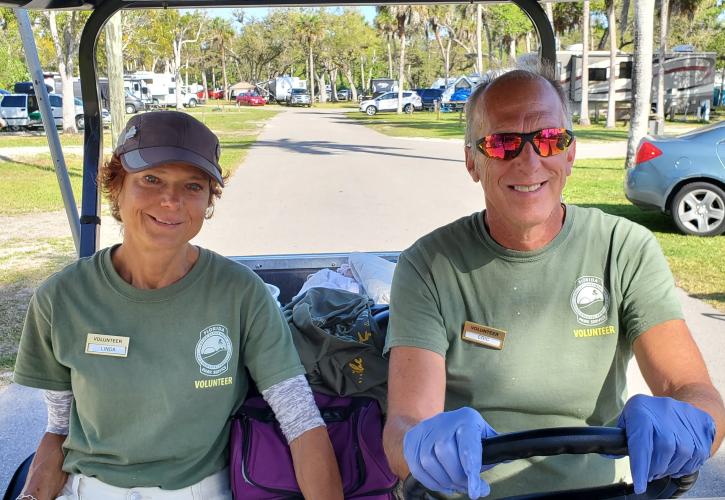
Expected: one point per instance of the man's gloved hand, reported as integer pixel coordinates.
(665, 437)
(444, 452)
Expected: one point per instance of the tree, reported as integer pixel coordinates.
(11, 51)
(641, 75)
(664, 7)
(310, 29)
(612, 97)
(114, 58)
(181, 34)
(387, 25)
(584, 106)
(65, 30)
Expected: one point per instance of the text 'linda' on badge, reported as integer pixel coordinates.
(107, 345)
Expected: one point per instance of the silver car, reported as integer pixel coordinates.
(389, 102)
(683, 176)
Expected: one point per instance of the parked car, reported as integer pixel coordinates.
(250, 100)
(389, 102)
(429, 96)
(684, 177)
(298, 97)
(21, 111)
(343, 94)
(132, 103)
(213, 94)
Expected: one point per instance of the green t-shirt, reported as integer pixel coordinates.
(570, 310)
(160, 415)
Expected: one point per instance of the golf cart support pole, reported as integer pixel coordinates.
(56, 152)
(93, 144)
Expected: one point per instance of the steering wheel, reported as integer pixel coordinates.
(560, 441)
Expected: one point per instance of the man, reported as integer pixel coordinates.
(525, 316)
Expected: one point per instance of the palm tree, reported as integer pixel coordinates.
(387, 25)
(407, 17)
(641, 75)
(664, 7)
(584, 107)
(309, 26)
(612, 97)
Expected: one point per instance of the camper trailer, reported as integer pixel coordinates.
(279, 87)
(158, 89)
(689, 78)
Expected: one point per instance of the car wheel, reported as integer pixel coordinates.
(192, 103)
(699, 209)
(80, 122)
(371, 110)
(130, 109)
(408, 108)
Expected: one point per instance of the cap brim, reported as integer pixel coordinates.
(139, 160)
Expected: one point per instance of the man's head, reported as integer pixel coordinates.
(523, 189)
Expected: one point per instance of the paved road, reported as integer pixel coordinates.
(384, 193)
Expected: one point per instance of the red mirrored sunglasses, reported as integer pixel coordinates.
(507, 146)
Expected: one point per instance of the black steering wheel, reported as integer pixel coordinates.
(560, 441)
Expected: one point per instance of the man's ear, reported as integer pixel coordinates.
(471, 164)
(570, 155)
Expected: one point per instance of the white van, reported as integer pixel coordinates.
(21, 111)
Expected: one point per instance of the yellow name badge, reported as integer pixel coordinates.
(483, 335)
(107, 345)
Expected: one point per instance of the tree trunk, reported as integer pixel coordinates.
(584, 107)
(512, 50)
(333, 83)
(612, 97)
(623, 21)
(64, 60)
(401, 73)
(114, 55)
(205, 85)
(177, 74)
(479, 53)
(312, 77)
(224, 71)
(641, 75)
(362, 77)
(390, 61)
(664, 28)
(321, 87)
(351, 82)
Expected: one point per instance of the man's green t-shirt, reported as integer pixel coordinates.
(155, 374)
(570, 312)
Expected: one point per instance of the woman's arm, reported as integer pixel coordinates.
(46, 477)
(316, 469)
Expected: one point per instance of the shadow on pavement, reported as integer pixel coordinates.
(332, 148)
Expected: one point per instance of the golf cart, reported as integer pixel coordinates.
(288, 272)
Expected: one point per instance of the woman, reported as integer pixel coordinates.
(150, 340)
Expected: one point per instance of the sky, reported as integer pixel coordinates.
(260, 12)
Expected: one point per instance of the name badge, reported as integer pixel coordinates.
(107, 345)
(485, 336)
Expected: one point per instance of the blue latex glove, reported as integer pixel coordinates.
(444, 452)
(665, 437)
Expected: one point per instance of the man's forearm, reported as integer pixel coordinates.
(706, 398)
(316, 469)
(45, 476)
(393, 434)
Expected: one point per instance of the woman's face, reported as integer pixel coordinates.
(163, 207)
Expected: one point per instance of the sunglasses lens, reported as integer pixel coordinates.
(501, 146)
(552, 141)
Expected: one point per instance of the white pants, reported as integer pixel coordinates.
(80, 487)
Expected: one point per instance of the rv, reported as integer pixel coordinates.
(689, 78)
(279, 88)
(157, 89)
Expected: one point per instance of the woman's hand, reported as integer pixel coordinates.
(45, 476)
(315, 465)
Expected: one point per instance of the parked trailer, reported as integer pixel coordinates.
(689, 78)
(279, 88)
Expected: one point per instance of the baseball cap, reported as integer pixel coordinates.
(157, 137)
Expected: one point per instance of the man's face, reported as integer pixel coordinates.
(522, 194)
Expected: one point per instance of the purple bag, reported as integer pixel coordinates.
(261, 463)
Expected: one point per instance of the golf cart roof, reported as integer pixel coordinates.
(102, 10)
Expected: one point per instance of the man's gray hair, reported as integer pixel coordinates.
(476, 114)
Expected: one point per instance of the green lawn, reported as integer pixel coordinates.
(599, 183)
(30, 183)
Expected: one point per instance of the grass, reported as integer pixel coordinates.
(23, 266)
(598, 183)
(30, 184)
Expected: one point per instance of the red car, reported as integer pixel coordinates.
(250, 100)
(213, 94)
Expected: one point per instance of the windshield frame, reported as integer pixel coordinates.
(93, 132)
